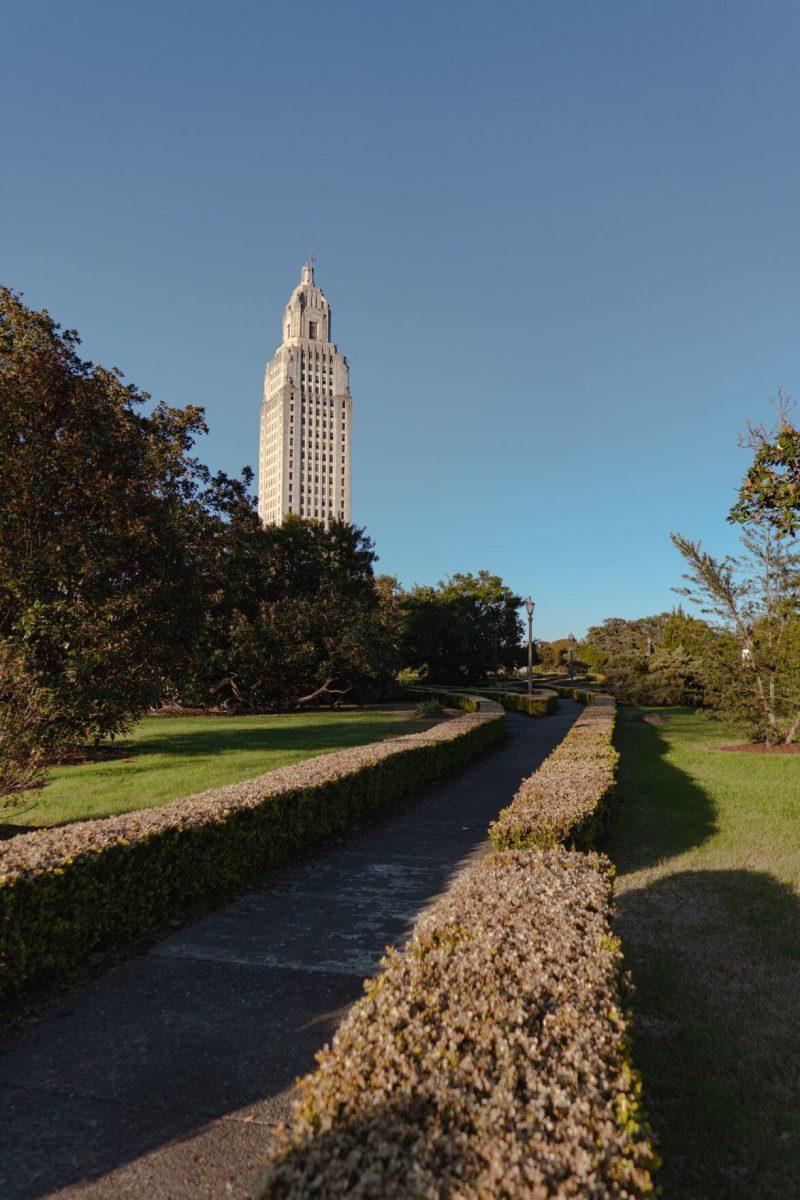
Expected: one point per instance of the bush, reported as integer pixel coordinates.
(429, 708)
(488, 1059)
(540, 704)
(68, 891)
(565, 801)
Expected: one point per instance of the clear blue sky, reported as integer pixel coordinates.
(561, 241)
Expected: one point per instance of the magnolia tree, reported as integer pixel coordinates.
(752, 660)
(29, 736)
(770, 493)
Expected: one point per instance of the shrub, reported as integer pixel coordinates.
(471, 704)
(65, 892)
(565, 801)
(429, 708)
(540, 704)
(488, 1059)
(580, 695)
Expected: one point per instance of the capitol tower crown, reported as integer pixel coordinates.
(306, 415)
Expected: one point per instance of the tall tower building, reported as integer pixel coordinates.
(306, 416)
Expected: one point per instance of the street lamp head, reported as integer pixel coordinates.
(529, 606)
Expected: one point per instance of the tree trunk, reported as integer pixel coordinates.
(792, 732)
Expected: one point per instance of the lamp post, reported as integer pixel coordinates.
(529, 607)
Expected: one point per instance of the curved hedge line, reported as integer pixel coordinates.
(540, 704)
(467, 701)
(488, 1059)
(565, 801)
(582, 695)
(65, 892)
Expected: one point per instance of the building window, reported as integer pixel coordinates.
(312, 330)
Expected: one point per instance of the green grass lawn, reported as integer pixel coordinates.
(707, 848)
(168, 757)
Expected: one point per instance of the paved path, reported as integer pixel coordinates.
(162, 1079)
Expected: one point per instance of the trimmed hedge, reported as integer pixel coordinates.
(540, 704)
(68, 891)
(467, 702)
(488, 1059)
(543, 701)
(565, 801)
(575, 693)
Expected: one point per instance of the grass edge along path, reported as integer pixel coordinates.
(707, 849)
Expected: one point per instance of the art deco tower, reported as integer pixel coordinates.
(306, 416)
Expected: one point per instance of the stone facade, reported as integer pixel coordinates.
(306, 416)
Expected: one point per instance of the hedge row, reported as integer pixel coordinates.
(66, 892)
(488, 1059)
(540, 704)
(543, 702)
(582, 695)
(565, 801)
(468, 703)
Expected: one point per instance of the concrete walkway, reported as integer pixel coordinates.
(162, 1079)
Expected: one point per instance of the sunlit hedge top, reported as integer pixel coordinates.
(48, 849)
(489, 1059)
(564, 801)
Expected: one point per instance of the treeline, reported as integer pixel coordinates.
(741, 657)
(132, 576)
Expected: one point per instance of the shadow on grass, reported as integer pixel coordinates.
(322, 735)
(715, 957)
(658, 811)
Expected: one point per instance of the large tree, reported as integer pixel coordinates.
(292, 614)
(752, 660)
(466, 627)
(98, 542)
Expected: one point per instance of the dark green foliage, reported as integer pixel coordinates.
(119, 887)
(616, 635)
(663, 677)
(771, 488)
(651, 660)
(540, 704)
(98, 543)
(28, 733)
(447, 699)
(563, 654)
(462, 629)
(292, 613)
(593, 656)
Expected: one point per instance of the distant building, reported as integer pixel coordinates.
(306, 416)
